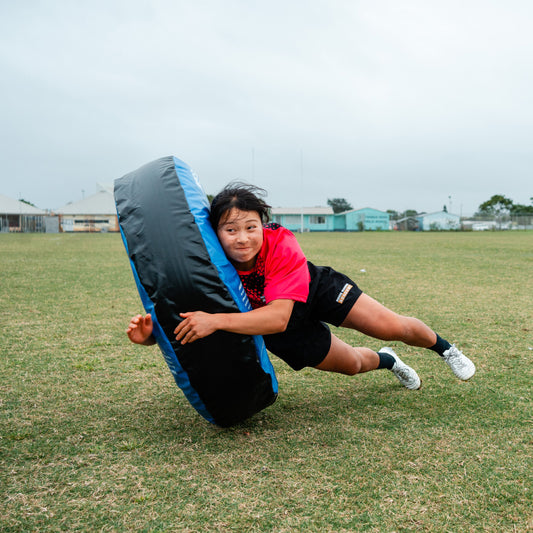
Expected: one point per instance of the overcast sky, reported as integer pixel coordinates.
(408, 104)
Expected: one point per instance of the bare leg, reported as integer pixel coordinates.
(373, 319)
(345, 359)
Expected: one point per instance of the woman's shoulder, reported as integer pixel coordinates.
(278, 239)
(274, 234)
(275, 229)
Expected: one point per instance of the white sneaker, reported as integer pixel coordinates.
(405, 374)
(461, 366)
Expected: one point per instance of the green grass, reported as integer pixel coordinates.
(95, 436)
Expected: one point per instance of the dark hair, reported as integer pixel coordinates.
(241, 195)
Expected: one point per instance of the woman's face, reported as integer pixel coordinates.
(241, 236)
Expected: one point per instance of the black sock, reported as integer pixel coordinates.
(440, 346)
(386, 360)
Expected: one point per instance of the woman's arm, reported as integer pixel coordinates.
(273, 318)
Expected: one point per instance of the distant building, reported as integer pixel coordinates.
(17, 216)
(324, 219)
(304, 218)
(407, 224)
(438, 221)
(365, 219)
(96, 213)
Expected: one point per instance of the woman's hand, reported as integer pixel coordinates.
(195, 325)
(140, 330)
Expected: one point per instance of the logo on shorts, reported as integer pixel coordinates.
(342, 295)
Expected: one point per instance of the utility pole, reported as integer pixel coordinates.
(302, 190)
(253, 165)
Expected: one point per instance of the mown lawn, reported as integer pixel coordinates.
(95, 436)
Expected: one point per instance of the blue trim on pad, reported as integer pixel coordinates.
(199, 208)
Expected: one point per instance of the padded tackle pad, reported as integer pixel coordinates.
(179, 265)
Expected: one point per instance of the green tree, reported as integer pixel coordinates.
(521, 209)
(497, 205)
(339, 205)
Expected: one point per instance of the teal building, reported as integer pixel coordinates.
(298, 219)
(365, 219)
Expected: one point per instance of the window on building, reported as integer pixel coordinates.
(87, 221)
(292, 219)
(317, 219)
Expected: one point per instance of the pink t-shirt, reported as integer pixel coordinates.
(280, 271)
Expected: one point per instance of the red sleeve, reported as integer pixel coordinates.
(286, 272)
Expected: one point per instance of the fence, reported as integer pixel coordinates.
(498, 222)
(22, 223)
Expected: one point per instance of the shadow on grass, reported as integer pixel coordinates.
(374, 406)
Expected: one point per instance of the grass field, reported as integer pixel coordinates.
(95, 436)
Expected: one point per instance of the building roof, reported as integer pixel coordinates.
(9, 206)
(302, 210)
(363, 209)
(101, 203)
(445, 213)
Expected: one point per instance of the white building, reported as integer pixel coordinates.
(438, 221)
(17, 216)
(96, 213)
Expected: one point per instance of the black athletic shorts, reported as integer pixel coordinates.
(307, 339)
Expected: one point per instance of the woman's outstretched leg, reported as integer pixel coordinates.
(374, 319)
(345, 359)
